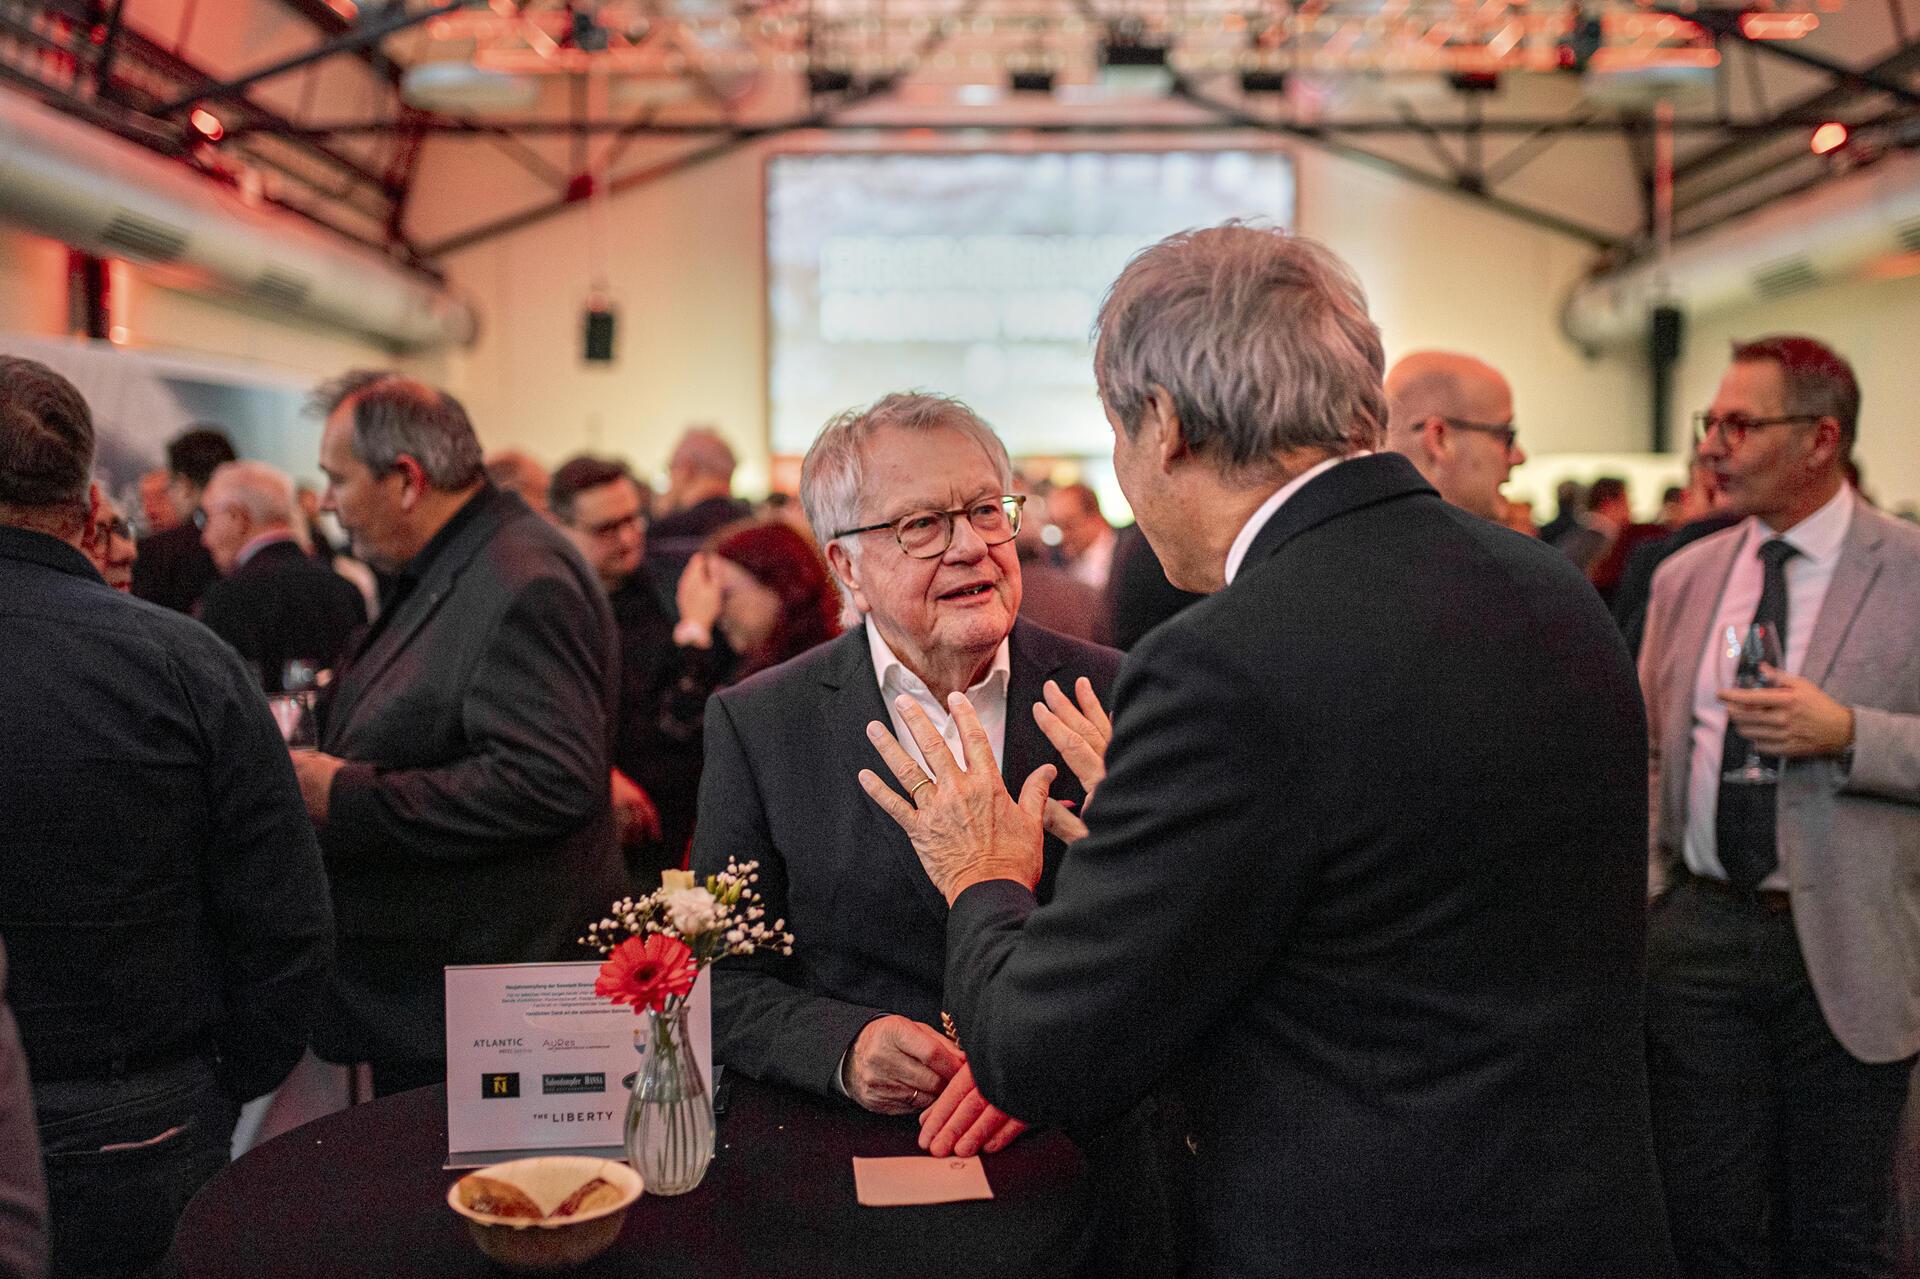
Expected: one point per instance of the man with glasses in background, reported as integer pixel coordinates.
(1451, 415)
(1783, 956)
(910, 499)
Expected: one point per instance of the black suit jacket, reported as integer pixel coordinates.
(784, 751)
(173, 568)
(284, 604)
(473, 825)
(1366, 880)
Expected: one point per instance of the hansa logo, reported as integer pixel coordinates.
(581, 1081)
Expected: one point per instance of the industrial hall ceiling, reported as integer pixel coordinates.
(1569, 115)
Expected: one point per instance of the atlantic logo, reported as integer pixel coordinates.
(500, 1043)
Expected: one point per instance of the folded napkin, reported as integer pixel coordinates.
(918, 1179)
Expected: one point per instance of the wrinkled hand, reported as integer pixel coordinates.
(964, 825)
(315, 772)
(1791, 720)
(964, 1123)
(1080, 733)
(897, 1065)
(634, 813)
(698, 594)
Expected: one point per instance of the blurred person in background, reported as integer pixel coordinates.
(274, 602)
(1086, 539)
(113, 548)
(1701, 504)
(515, 472)
(1567, 496)
(1051, 596)
(174, 569)
(1611, 517)
(656, 777)
(1518, 516)
(698, 503)
(166, 917)
(1451, 415)
(157, 512)
(319, 543)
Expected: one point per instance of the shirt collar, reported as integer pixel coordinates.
(888, 667)
(260, 543)
(1237, 553)
(1818, 538)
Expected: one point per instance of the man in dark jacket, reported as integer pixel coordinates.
(461, 788)
(161, 896)
(174, 569)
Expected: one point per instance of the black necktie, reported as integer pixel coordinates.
(1745, 825)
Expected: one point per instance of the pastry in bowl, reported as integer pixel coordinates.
(550, 1212)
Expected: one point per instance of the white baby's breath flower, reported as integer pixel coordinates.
(691, 910)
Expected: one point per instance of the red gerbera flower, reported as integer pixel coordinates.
(646, 972)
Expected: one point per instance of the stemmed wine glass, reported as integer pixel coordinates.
(1760, 643)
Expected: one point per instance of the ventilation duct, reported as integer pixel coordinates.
(81, 185)
(1825, 236)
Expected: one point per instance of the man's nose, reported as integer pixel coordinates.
(966, 545)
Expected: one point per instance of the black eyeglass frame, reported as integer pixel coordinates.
(1011, 503)
(1505, 431)
(1705, 423)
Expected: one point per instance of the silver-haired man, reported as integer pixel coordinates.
(1342, 884)
(911, 499)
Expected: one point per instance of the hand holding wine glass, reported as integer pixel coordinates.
(1756, 648)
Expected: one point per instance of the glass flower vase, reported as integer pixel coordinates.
(670, 1114)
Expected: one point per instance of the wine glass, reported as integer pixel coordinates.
(293, 712)
(1759, 643)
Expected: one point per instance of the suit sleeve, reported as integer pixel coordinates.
(1886, 755)
(535, 769)
(265, 892)
(23, 1192)
(1190, 880)
(766, 1024)
(1654, 643)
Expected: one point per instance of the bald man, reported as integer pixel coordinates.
(1451, 415)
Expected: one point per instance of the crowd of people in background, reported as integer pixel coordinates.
(1410, 737)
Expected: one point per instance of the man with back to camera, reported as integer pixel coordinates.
(698, 503)
(461, 787)
(1344, 886)
(1783, 955)
(1451, 415)
(274, 602)
(174, 569)
(910, 496)
(162, 903)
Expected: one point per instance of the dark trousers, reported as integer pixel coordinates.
(1775, 1144)
(123, 1156)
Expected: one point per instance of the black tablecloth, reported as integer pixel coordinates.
(362, 1192)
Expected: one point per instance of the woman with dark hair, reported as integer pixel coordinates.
(764, 588)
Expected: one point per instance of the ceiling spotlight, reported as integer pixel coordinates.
(207, 124)
(825, 80)
(1031, 81)
(1829, 137)
(1263, 80)
(1475, 81)
(1128, 45)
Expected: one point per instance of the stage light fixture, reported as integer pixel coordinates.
(207, 124)
(825, 80)
(1030, 81)
(1263, 80)
(1475, 81)
(1829, 137)
(1128, 45)
(1576, 49)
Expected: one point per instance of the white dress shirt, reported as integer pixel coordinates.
(1237, 553)
(989, 698)
(1818, 538)
(1094, 565)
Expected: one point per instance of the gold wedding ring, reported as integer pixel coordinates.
(914, 795)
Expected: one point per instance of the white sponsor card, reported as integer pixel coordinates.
(539, 1064)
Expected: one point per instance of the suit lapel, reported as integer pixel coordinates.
(1852, 578)
(1025, 747)
(420, 604)
(1691, 630)
(852, 701)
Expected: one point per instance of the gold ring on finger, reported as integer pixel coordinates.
(914, 795)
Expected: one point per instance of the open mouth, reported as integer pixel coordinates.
(968, 592)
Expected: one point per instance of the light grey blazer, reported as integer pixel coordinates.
(1849, 837)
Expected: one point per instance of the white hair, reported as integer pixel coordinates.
(702, 451)
(833, 476)
(264, 492)
(1261, 338)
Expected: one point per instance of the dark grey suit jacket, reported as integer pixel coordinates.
(784, 750)
(1365, 881)
(473, 825)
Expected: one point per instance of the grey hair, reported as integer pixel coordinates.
(395, 415)
(833, 476)
(1261, 338)
(702, 451)
(265, 492)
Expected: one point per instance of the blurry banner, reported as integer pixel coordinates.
(539, 1064)
(975, 275)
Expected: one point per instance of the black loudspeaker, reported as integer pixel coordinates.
(1668, 332)
(600, 334)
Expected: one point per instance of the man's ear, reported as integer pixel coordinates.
(413, 480)
(841, 561)
(1168, 436)
(1828, 443)
(91, 529)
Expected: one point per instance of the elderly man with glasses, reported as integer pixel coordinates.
(910, 499)
(1783, 957)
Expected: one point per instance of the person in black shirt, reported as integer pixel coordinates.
(161, 896)
(174, 569)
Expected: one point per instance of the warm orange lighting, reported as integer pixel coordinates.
(1777, 26)
(207, 124)
(345, 8)
(1829, 137)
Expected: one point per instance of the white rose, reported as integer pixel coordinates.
(691, 911)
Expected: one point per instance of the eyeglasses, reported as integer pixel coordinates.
(1733, 427)
(1502, 431)
(611, 528)
(925, 535)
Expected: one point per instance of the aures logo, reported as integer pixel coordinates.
(500, 1084)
